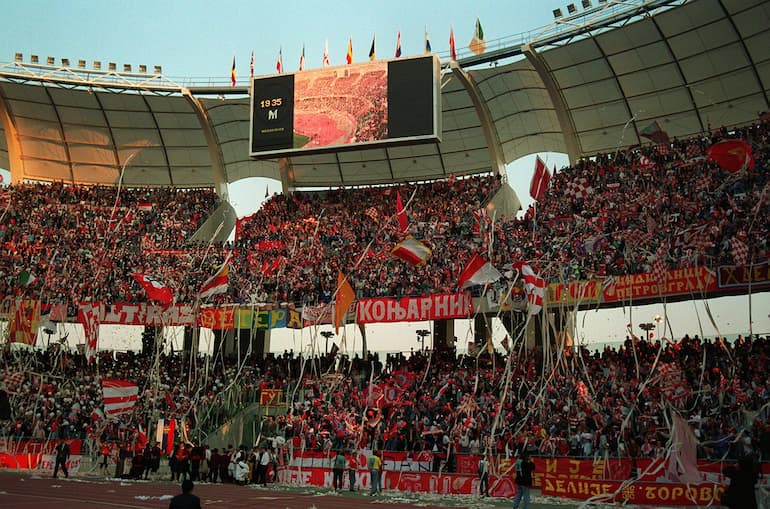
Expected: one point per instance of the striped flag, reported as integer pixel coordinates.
(232, 73)
(217, 283)
(478, 44)
(398, 45)
(372, 51)
(119, 396)
(279, 63)
(326, 54)
(427, 41)
(164, 435)
(412, 251)
(349, 55)
(251, 65)
(534, 287)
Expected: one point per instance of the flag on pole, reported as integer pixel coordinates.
(302, 59)
(154, 289)
(478, 44)
(478, 271)
(326, 53)
(251, 65)
(452, 50)
(217, 283)
(164, 435)
(403, 221)
(279, 62)
(24, 321)
(26, 278)
(90, 316)
(654, 133)
(412, 251)
(267, 191)
(119, 396)
(345, 297)
(372, 52)
(427, 40)
(541, 178)
(534, 287)
(232, 73)
(398, 45)
(349, 55)
(732, 155)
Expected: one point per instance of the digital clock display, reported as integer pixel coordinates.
(271, 103)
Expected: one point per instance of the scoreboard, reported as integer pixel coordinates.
(346, 107)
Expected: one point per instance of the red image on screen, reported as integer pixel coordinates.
(341, 105)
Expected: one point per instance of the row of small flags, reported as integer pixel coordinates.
(477, 45)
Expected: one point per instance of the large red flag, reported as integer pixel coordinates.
(403, 222)
(540, 180)
(155, 289)
(732, 155)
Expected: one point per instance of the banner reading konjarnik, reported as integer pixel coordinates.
(414, 309)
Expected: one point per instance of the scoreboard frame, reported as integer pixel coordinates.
(413, 108)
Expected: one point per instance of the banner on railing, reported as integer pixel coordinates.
(638, 286)
(414, 309)
(270, 397)
(734, 276)
(391, 460)
(644, 493)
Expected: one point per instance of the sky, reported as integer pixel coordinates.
(195, 43)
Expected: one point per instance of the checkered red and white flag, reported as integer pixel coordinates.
(740, 251)
(578, 189)
(372, 213)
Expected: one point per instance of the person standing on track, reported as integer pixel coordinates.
(62, 456)
(524, 469)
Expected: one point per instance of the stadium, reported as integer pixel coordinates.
(396, 207)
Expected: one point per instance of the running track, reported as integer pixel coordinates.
(33, 491)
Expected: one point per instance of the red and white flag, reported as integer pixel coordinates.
(412, 251)
(534, 287)
(478, 271)
(119, 396)
(90, 316)
(659, 267)
(279, 62)
(403, 222)
(578, 189)
(217, 283)
(740, 251)
(155, 290)
(144, 206)
(540, 180)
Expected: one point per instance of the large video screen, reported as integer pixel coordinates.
(347, 107)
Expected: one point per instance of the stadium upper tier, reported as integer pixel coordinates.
(585, 89)
(604, 217)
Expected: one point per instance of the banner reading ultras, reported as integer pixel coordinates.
(414, 309)
(338, 108)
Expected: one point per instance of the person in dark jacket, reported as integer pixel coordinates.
(741, 493)
(186, 500)
(524, 469)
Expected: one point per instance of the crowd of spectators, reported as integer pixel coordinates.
(81, 243)
(615, 403)
(609, 215)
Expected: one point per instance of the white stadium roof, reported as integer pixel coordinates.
(588, 83)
